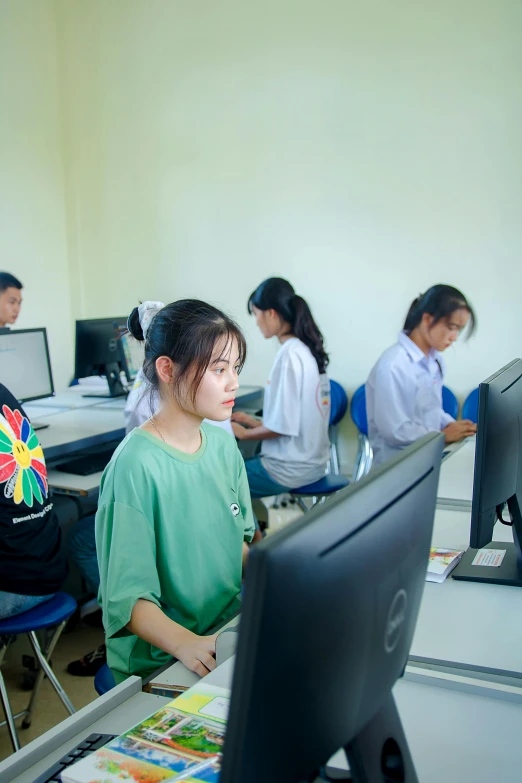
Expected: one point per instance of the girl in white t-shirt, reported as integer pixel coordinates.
(296, 408)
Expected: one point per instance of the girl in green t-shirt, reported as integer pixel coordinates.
(175, 509)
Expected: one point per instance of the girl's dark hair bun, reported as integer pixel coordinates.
(134, 326)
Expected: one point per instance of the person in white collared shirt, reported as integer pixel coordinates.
(404, 388)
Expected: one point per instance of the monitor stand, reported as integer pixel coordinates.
(380, 751)
(116, 388)
(510, 570)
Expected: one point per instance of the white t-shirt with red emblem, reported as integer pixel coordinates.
(296, 405)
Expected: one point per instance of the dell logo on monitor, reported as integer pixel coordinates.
(395, 621)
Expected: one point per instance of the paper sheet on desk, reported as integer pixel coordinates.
(489, 557)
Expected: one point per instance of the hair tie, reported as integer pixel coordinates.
(146, 312)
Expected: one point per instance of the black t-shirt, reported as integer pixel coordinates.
(32, 559)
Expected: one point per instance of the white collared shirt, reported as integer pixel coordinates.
(404, 398)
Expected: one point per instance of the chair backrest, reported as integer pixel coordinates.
(358, 410)
(450, 404)
(338, 402)
(470, 407)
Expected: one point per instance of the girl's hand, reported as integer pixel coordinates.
(197, 652)
(245, 419)
(458, 430)
(238, 430)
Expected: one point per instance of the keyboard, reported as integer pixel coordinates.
(90, 743)
(87, 464)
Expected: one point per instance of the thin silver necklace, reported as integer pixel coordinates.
(151, 419)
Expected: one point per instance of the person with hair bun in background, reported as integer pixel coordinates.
(404, 388)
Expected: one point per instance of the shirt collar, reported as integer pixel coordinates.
(413, 350)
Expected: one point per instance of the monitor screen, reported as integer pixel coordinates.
(133, 355)
(25, 367)
(497, 478)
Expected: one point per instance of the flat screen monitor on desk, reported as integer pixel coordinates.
(497, 480)
(25, 365)
(328, 617)
(98, 352)
(132, 355)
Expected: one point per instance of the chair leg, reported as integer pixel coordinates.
(356, 474)
(9, 718)
(364, 461)
(46, 653)
(334, 459)
(368, 457)
(48, 671)
(302, 505)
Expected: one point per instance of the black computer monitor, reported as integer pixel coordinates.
(132, 355)
(329, 612)
(99, 352)
(498, 478)
(25, 364)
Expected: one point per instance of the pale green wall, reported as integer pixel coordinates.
(32, 206)
(363, 150)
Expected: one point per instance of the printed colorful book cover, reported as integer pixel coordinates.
(441, 563)
(440, 559)
(181, 742)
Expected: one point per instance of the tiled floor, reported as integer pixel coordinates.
(49, 710)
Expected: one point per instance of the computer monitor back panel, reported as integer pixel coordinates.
(97, 345)
(498, 462)
(329, 614)
(25, 367)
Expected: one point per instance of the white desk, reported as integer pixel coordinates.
(453, 736)
(456, 478)
(469, 625)
(78, 429)
(72, 398)
(71, 484)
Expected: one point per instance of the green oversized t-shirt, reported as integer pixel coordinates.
(170, 529)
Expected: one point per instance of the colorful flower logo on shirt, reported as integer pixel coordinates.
(22, 462)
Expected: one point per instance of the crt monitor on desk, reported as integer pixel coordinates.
(329, 612)
(498, 477)
(25, 365)
(98, 352)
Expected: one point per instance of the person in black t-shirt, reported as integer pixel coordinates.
(33, 562)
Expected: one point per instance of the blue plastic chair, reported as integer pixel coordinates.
(104, 680)
(319, 490)
(363, 461)
(338, 408)
(450, 404)
(470, 407)
(53, 613)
